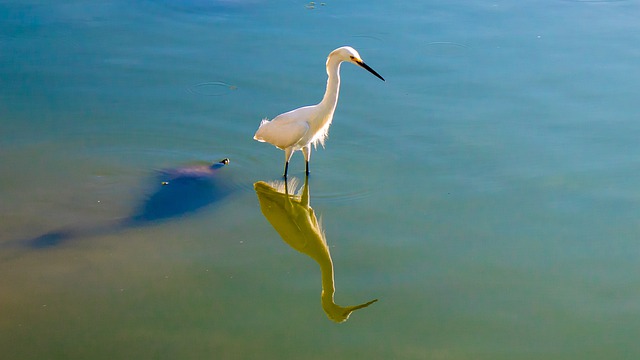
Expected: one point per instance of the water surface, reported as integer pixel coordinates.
(486, 193)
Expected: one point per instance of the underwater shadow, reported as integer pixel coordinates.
(294, 219)
(177, 192)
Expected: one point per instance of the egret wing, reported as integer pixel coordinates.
(282, 131)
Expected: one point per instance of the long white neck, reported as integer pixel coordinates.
(330, 98)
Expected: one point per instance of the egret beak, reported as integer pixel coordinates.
(369, 69)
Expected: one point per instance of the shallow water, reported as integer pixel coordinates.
(486, 193)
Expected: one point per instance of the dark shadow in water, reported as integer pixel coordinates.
(178, 192)
(295, 221)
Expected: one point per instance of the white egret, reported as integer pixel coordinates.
(299, 128)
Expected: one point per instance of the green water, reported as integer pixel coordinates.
(486, 194)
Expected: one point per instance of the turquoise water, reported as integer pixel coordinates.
(486, 194)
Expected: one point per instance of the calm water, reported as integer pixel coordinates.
(486, 193)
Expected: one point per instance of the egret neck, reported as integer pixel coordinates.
(330, 99)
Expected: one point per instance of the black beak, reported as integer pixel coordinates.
(365, 66)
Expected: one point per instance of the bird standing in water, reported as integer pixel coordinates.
(299, 128)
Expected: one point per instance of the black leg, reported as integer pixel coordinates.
(307, 168)
(286, 167)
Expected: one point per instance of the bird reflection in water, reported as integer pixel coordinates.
(295, 221)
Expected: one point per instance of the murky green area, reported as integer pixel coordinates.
(486, 194)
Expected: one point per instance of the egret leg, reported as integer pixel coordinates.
(287, 156)
(307, 155)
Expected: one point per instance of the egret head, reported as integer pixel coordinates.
(349, 54)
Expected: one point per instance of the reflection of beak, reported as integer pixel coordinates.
(365, 66)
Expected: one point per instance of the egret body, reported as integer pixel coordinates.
(299, 128)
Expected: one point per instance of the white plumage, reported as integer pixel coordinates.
(299, 128)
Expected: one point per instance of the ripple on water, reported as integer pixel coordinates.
(445, 49)
(212, 88)
(333, 196)
(319, 193)
(245, 170)
(369, 37)
(366, 43)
